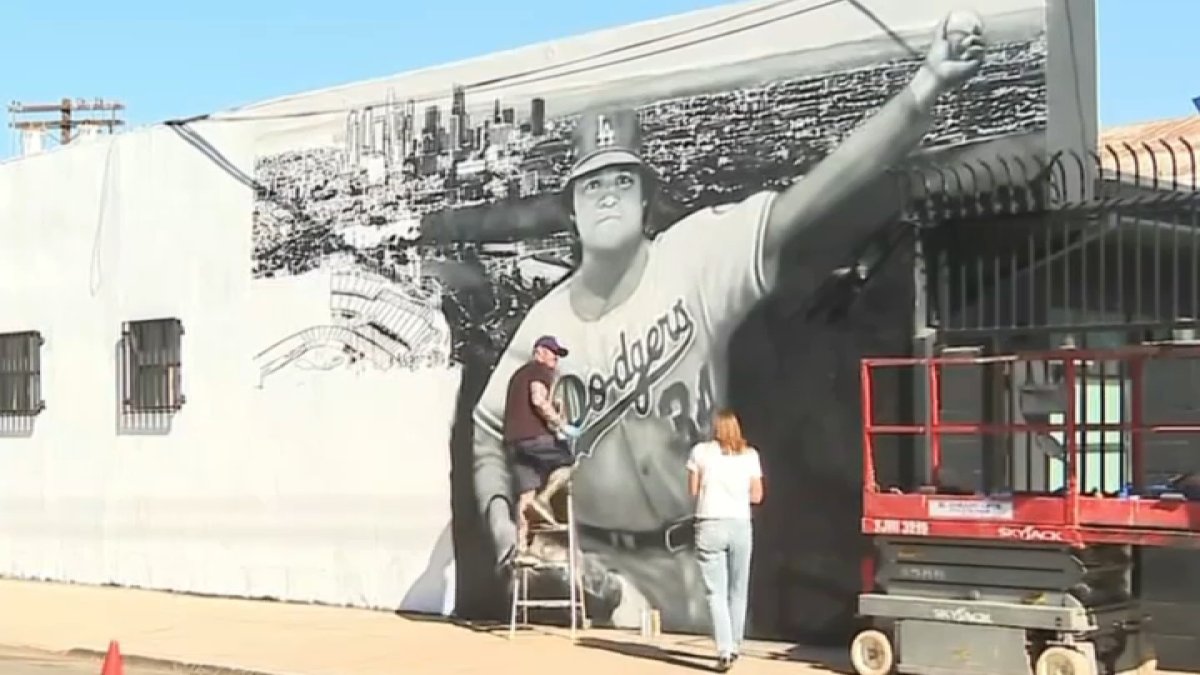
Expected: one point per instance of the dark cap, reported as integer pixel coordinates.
(605, 139)
(551, 343)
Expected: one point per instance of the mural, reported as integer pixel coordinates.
(659, 229)
(371, 317)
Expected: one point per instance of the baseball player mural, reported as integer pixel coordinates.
(648, 320)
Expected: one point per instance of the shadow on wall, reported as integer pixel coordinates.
(794, 378)
(128, 421)
(797, 385)
(17, 426)
(479, 596)
(434, 589)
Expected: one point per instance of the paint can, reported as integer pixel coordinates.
(651, 623)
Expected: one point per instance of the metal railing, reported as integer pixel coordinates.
(1070, 242)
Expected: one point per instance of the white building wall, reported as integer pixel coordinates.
(327, 481)
(331, 493)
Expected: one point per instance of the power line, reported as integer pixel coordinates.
(556, 70)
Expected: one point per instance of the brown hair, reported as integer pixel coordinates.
(727, 432)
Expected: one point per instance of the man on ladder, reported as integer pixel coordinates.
(537, 434)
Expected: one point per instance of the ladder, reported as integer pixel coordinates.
(522, 573)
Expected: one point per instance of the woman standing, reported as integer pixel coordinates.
(725, 478)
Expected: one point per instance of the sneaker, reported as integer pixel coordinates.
(724, 663)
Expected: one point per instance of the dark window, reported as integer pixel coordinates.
(21, 374)
(152, 378)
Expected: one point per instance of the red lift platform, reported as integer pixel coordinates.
(1071, 516)
(1054, 508)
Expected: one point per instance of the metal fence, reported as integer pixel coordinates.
(1069, 243)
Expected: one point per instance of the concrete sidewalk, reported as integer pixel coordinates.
(26, 662)
(286, 639)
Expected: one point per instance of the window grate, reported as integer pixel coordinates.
(21, 374)
(152, 376)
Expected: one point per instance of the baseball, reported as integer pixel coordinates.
(960, 24)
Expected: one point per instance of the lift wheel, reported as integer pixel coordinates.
(871, 653)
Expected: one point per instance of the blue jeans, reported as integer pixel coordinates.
(723, 547)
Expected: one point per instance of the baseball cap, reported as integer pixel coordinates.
(551, 343)
(606, 139)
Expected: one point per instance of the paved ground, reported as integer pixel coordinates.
(291, 639)
(679, 658)
(26, 662)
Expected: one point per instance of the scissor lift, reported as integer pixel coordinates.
(1034, 572)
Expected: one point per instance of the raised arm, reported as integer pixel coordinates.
(955, 54)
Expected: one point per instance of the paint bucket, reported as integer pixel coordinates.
(651, 623)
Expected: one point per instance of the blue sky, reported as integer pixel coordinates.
(176, 59)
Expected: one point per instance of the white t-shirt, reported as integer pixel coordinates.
(724, 480)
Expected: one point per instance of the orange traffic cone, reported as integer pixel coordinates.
(113, 663)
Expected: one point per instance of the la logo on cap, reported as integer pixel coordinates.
(605, 135)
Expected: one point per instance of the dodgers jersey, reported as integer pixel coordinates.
(644, 379)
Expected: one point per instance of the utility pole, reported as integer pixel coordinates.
(68, 116)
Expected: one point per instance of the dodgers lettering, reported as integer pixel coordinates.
(630, 378)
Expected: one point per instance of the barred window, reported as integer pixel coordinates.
(152, 378)
(21, 374)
